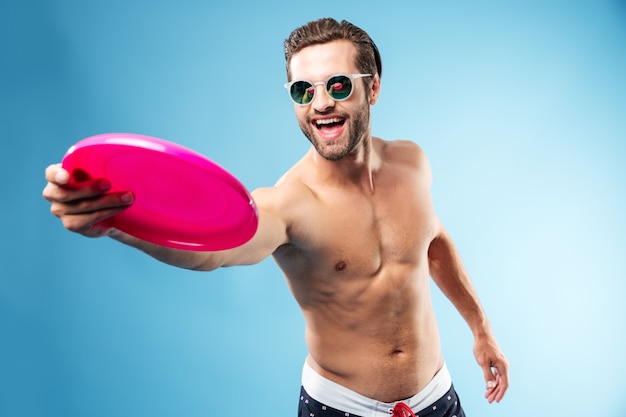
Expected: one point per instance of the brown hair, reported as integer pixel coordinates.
(327, 30)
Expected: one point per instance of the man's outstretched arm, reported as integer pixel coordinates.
(83, 207)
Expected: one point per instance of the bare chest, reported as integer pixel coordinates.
(359, 234)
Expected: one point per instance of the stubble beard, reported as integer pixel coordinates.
(358, 128)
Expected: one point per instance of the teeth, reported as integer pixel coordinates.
(327, 121)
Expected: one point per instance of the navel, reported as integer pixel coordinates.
(340, 266)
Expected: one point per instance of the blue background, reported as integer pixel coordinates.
(520, 106)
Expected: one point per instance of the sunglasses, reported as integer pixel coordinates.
(338, 87)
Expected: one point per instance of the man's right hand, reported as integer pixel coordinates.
(82, 206)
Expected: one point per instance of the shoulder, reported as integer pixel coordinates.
(401, 150)
(284, 197)
(288, 198)
(290, 204)
(407, 154)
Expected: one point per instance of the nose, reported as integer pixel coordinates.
(322, 101)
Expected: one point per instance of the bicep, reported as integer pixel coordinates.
(270, 234)
(442, 254)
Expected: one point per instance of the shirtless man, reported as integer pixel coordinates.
(353, 228)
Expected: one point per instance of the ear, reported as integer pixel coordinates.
(374, 91)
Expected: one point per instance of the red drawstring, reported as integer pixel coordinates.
(402, 410)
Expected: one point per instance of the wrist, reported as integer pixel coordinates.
(482, 329)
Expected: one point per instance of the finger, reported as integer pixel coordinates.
(55, 173)
(492, 391)
(104, 203)
(502, 381)
(63, 186)
(499, 388)
(490, 378)
(90, 224)
(65, 193)
(491, 382)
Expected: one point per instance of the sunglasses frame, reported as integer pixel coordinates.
(352, 77)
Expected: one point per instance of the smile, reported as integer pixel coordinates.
(321, 123)
(330, 128)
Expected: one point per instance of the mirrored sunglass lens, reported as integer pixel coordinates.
(302, 92)
(339, 87)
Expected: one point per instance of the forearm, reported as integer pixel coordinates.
(199, 261)
(270, 234)
(450, 275)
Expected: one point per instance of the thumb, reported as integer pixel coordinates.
(490, 378)
(56, 173)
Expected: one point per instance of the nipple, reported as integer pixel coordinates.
(340, 266)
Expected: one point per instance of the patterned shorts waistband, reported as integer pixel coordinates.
(341, 398)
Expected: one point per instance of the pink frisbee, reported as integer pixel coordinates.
(183, 200)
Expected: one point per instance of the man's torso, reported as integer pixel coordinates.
(357, 263)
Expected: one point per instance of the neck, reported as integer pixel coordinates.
(358, 167)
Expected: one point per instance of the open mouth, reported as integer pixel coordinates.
(329, 123)
(330, 128)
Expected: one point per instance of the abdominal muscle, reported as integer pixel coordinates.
(378, 337)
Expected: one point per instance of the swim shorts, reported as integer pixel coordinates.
(321, 397)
